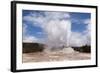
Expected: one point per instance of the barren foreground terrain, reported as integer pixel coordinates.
(54, 56)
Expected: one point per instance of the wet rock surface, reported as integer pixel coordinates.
(54, 56)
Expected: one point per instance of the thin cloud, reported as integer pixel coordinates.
(30, 39)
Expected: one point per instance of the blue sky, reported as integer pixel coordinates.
(33, 21)
(79, 26)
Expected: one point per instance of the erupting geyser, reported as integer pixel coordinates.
(58, 35)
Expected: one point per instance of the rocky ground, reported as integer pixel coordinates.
(54, 56)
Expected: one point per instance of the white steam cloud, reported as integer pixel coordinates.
(57, 27)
